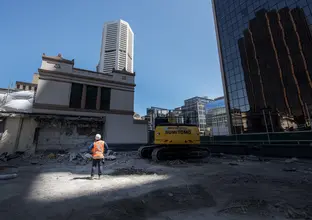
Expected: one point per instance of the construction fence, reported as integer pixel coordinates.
(296, 137)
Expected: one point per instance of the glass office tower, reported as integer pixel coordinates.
(265, 49)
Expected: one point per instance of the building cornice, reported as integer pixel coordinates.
(58, 59)
(114, 71)
(71, 76)
(124, 72)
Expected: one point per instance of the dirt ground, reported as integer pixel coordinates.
(132, 188)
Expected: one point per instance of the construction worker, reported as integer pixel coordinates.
(97, 149)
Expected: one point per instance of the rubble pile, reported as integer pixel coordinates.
(266, 209)
(77, 157)
(4, 157)
(176, 162)
(8, 172)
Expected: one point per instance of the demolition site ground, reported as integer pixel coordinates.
(223, 187)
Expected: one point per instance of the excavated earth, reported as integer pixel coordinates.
(132, 188)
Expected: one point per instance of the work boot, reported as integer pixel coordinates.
(99, 177)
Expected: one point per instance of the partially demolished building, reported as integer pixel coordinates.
(69, 107)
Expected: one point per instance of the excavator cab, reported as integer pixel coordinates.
(161, 120)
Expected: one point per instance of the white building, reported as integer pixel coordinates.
(194, 111)
(117, 47)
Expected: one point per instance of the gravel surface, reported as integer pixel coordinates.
(220, 188)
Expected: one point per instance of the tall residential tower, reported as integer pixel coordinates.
(117, 47)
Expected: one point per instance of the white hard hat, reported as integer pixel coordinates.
(98, 137)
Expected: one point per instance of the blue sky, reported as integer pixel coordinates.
(175, 52)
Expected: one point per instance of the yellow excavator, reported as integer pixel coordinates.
(174, 138)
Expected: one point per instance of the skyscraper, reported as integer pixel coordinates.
(265, 50)
(117, 47)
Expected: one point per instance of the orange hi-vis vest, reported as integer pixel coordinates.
(98, 150)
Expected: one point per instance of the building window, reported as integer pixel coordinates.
(91, 97)
(105, 98)
(75, 95)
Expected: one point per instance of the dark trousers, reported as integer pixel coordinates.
(96, 163)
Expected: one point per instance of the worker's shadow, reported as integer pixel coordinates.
(82, 178)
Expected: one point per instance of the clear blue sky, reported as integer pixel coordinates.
(175, 53)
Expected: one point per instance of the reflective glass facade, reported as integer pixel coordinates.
(266, 52)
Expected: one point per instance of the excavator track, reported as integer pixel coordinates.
(162, 153)
(146, 151)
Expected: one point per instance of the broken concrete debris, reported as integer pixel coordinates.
(290, 169)
(176, 162)
(72, 156)
(291, 160)
(8, 172)
(233, 164)
(110, 157)
(51, 156)
(3, 157)
(110, 153)
(8, 176)
(34, 162)
(88, 156)
(6, 157)
(76, 156)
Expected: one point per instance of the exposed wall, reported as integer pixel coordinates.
(122, 100)
(53, 92)
(18, 135)
(8, 140)
(60, 139)
(60, 136)
(26, 139)
(120, 129)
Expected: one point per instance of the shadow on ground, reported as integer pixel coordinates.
(153, 203)
(140, 201)
(82, 178)
(233, 189)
